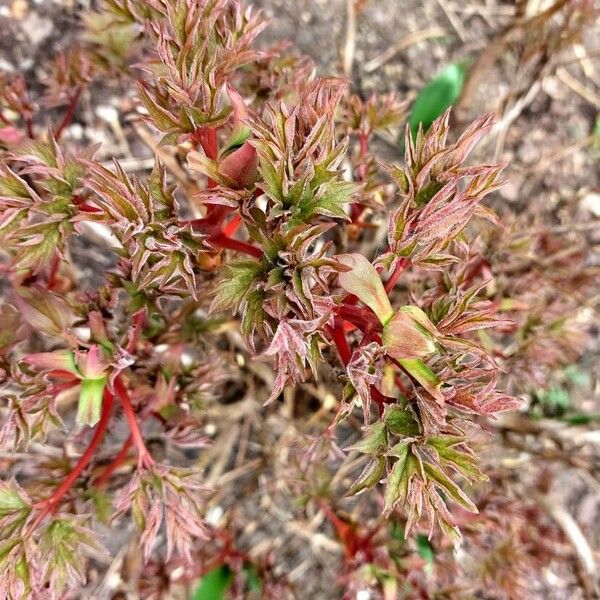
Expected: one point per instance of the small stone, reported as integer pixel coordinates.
(37, 28)
(6, 66)
(107, 113)
(529, 152)
(19, 9)
(591, 203)
(512, 190)
(75, 131)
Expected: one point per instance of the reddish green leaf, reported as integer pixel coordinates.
(364, 282)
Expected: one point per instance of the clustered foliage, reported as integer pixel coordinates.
(263, 196)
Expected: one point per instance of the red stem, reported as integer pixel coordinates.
(339, 338)
(363, 140)
(29, 127)
(46, 506)
(380, 399)
(360, 317)
(139, 318)
(53, 271)
(220, 240)
(343, 530)
(103, 478)
(144, 458)
(400, 267)
(207, 138)
(68, 115)
(211, 222)
(232, 226)
(403, 389)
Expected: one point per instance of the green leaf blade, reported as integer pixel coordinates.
(214, 585)
(437, 96)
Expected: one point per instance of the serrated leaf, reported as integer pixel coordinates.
(374, 439)
(45, 311)
(370, 476)
(162, 118)
(38, 251)
(460, 460)
(427, 192)
(254, 313)
(330, 201)
(398, 481)
(400, 421)
(10, 221)
(436, 97)
(448, 486)
(14, 190)
(234, 286)
(272, 179)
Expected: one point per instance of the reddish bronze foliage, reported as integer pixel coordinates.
(270, 232)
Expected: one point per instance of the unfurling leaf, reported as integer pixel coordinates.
(409, 334)
(364, 282)
(234, 286)
(90, 400)
(330, 201)
(424, 375)
(453, 453)
(241, 166)
(61, 360)
(64, 544)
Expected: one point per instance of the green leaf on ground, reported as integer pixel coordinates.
(425, 549)
(214, 585)
(439, 94)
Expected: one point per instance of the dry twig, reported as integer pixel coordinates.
(405, 42)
